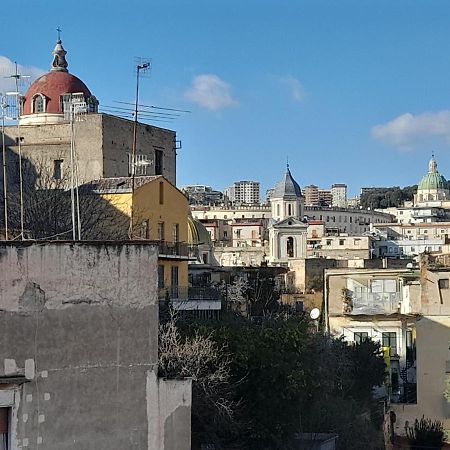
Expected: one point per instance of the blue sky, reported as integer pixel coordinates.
(351, 91)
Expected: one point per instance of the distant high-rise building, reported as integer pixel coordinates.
(339, 195)
(269, 193)
(311, 195)
(243, 192)
(368, 190)
(325, 197)
(200, 194)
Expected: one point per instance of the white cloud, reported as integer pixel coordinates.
(295, 87)
(408, 129)
(210, 92)
(7, 68)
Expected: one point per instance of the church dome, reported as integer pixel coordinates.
(50, 96)
(197, 233)
(53, 86)
(433, 180)
(287, 187)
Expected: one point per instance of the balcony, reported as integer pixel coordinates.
(173, 250)
(375, 303)
(189, 298)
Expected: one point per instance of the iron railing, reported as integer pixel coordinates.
(197, 293)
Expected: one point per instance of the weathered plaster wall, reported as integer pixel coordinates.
(102, 144)
(80, 321)
(169, 411)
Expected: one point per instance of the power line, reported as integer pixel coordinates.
(154, 107)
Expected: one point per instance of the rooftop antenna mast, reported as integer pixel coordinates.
(142, 66)
(4, 105)
(18, 77)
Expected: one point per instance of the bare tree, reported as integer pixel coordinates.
(200, 358)
(47, 206)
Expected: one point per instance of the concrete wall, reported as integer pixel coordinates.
(118, 142)
(169, 413)
(79, 321)
(102, 144)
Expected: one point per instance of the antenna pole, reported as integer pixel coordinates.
(5, 184)
(19, 149)
(139, 67)
(72, 176)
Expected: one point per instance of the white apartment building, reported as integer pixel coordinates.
(339, 195)
(246, 192)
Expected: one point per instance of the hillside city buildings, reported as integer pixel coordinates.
(136, 240)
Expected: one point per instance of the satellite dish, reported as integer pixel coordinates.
(315, 313)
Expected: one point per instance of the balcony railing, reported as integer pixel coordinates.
(376, 303)
(197, 293)
(166, 248)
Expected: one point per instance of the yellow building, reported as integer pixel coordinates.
(157, 212)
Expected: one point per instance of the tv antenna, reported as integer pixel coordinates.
(142, 66)
(14, 101)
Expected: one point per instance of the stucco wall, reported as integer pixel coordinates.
(433, 371)
(169, 413)
(102, 144)
(80, 321)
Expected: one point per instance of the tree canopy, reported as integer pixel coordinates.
(387, 197)
(289, 379)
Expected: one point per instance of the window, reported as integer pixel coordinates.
(159, 162)
(443, 283)
(360, 336)
(225, 234)
(161, 283)
(238, 233)
(289, 209)
(4, 429)
(357, 241)
(160, 231)
(389, 339)
(174, 280)
(329, 242)
(145, 229)
(176, 233)
(290, 247)
(161, 192)
(278, 210)
(57, 169)
(341, 241)
(205, 258)
(38, 104)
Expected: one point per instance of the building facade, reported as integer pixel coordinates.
(339, 195)
(79, 350)
(243, 192)
(60, 132)
(407, 312)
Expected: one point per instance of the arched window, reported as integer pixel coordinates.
(290, 247)
(38, 104)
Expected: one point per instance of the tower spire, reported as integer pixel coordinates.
(59, 62)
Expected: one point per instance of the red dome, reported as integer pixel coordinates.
(52, 85)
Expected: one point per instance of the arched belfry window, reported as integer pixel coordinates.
(38, 104)
(290, 247)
